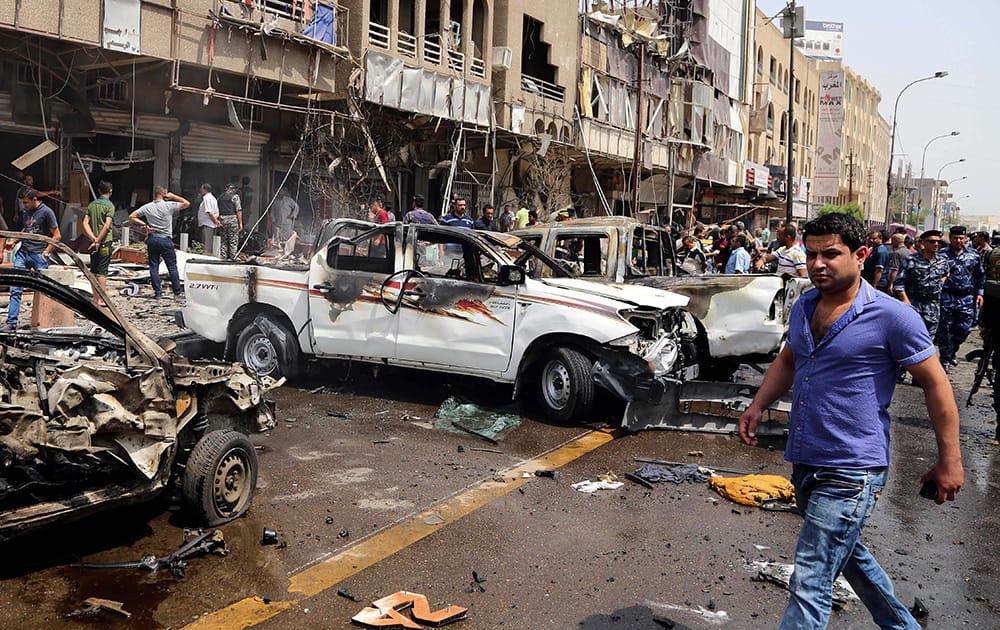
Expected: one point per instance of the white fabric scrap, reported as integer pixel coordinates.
(589, 486)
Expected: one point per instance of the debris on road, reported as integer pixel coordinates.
(476, 585)
(551, 474)
(485, 423)
(667, 613)
(94, 605)
(779, 573)
(607, 481)
(919, 611)
(639, 480)
(434, 519)
(204, 542)
(752, 490)
(343, 592)
(269, 537)
(682, 473)
(333, 413)
(386, 612)
(664, 462)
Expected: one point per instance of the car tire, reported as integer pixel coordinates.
(268, 349)
(220, 478)
(565, 387)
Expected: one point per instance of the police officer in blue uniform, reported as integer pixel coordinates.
(921, 278)
(962, 295)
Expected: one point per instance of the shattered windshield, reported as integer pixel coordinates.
(525, 255)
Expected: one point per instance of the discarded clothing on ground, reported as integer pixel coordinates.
(685, 473)
(753, 489)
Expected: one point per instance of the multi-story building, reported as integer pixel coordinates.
(772, 87)
(860, 162)
(168, 92)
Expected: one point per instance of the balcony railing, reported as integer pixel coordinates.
(549, 91)
(306, 14)
(432, 49)
(456, 61)
(407, 45)
(379, 35)
(478, 67)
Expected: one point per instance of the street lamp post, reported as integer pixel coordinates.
(923, 160)
(937, 219)
(892, 140)
(953, 207)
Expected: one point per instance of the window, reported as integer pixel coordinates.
(372, 252)
(450, 256)
(760, 60)
(774, 64)
(646, 258)
(585, 254)
(798, 91)
(770, 117)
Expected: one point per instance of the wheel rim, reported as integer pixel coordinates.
(556, 384)
(231, 484)
(260, 355)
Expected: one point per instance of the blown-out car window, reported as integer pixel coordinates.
(588, 253)
(373, 252)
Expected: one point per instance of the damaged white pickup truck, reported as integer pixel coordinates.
(99, 415)
(447, 300)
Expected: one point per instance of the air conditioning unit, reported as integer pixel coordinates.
(502, 56)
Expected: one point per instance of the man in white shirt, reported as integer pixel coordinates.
(208, 217)
(791, 259)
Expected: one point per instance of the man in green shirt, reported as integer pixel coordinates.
(97, 227)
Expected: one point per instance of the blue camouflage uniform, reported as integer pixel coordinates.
(922, 279)
(966, 279)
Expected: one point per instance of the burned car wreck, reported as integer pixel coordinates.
(98, 415)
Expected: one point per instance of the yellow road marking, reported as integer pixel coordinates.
(328, 573)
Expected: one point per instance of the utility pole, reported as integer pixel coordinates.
(850, 177)
(793, 26)
(637, 155)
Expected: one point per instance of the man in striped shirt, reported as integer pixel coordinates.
(791, 259)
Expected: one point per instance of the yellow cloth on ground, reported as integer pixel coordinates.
(753, 489)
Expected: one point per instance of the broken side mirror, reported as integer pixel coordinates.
(510, 275)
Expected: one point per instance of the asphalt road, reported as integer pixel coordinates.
(368, 497)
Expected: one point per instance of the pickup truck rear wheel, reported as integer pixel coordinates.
(565, 388)
(268, 349)
(220, 477)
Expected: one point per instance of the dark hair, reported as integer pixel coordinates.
(688, 239)
(789, 230)
(104, 187)
(419, 199)
(245, 180)
(740, 239)
(849, 229)
(207, 187)
(27, 192)
(533, 214)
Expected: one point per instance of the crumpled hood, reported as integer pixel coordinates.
(628, 293)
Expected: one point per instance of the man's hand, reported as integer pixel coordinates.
(949, 477)
(979, 301)
(748, 425)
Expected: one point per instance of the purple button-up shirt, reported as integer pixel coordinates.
(844, 384)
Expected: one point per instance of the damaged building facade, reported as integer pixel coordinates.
(635, 108)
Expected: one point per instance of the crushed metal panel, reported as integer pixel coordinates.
(146, 453)
(428, 83)
(442, 96)
(122, 19)
(409, 100)
(458, 97)
(706, 407)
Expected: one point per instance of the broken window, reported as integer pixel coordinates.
(586, 254)
(373, 253)
(535, 54)
(646, 258)
(438, 255)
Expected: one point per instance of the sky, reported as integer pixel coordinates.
(894, 42)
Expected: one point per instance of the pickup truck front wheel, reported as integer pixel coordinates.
(268, 349)
(565, 388)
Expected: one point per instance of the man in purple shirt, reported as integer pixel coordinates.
(846, 343)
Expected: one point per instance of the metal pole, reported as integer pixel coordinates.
(937, 222)
(637, 154)
(789, 187)
(923, 160)
(892, 140)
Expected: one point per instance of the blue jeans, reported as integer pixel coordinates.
(157, 247)
(22, 260)
(836, 504)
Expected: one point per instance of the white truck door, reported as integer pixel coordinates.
(453, 312)
(346, 314)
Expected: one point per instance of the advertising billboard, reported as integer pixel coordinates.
(829, 136)
(823, 40)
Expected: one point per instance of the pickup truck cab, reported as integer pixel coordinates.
(449, 300)
(742, 318)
